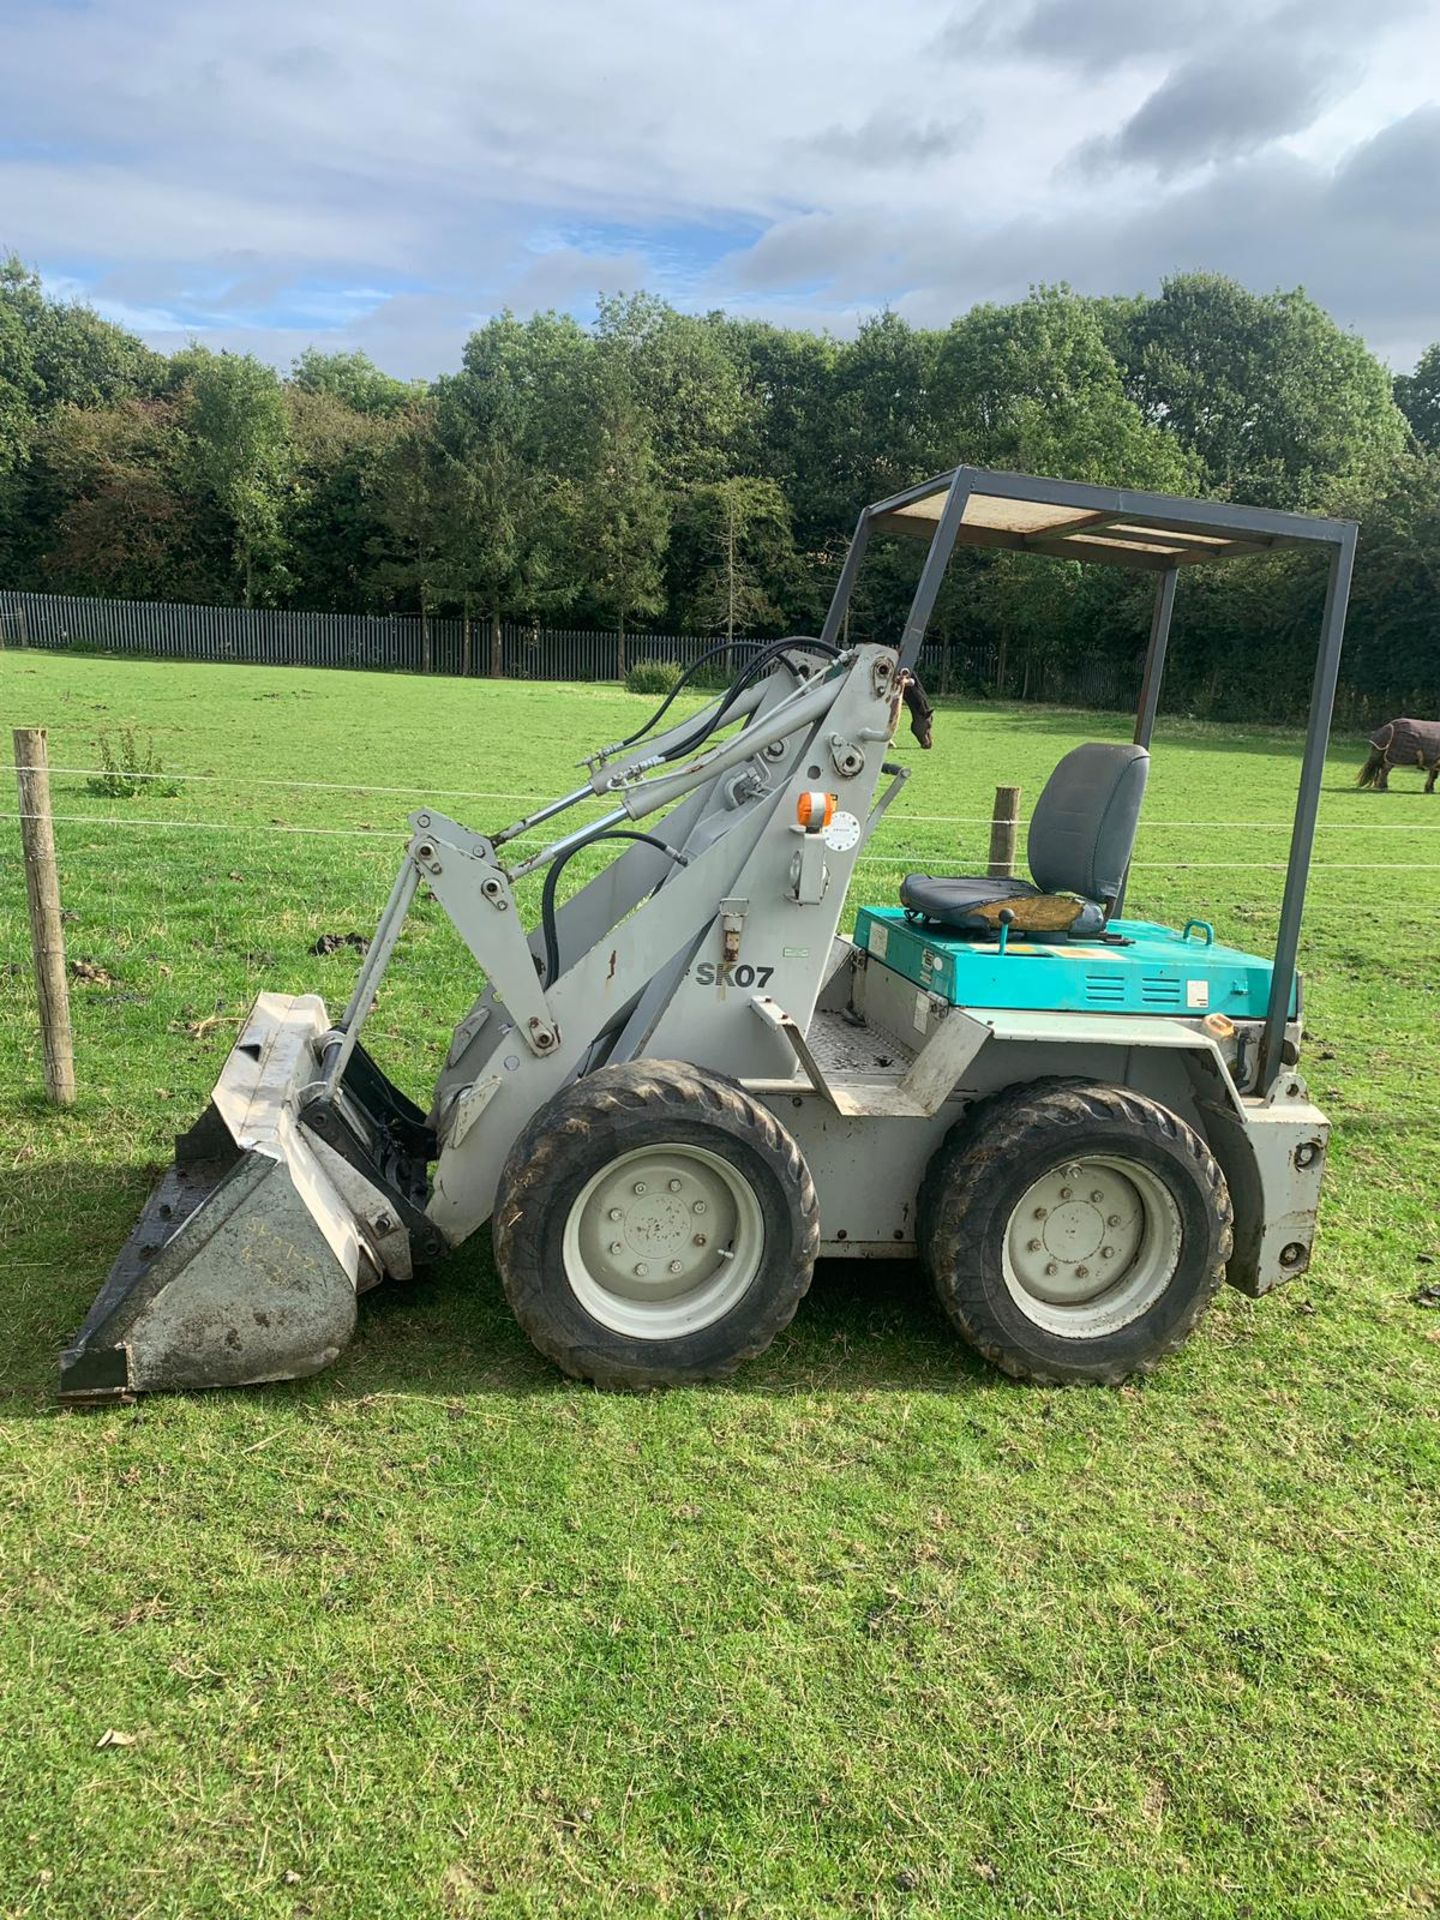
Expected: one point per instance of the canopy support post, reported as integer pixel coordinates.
(942, 545)
(845, 585)
(1155, 656)
(1307, 809)
(1150, 686)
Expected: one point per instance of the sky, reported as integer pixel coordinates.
(267, 175)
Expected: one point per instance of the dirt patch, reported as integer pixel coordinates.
(335, 942)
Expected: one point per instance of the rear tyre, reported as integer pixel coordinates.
(1074, 1232)
(654, 1224)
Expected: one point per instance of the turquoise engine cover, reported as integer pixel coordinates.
(1157, 971)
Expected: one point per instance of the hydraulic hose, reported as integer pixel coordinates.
(737, 687)
(552, 880)
(679, 687)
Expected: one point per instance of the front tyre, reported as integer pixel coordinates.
(654, 1225)
(1074, 1232)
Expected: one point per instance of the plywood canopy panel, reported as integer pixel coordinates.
(1005, 516)
(1144, 531)
(1156, 545)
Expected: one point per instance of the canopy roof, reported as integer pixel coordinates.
(1072, 520)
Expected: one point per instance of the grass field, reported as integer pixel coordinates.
(871, 1632)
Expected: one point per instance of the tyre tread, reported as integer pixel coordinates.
(990, 1133)
(538, 1158)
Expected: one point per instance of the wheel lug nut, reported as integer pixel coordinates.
(1052, 1269)
(641, 1271)
(1065, 1193)
(676, 1267)
(1112, 1220)
(1097, 1196)
(615, 1214)
(639, 1186)
(699, 1207)
(1034, 1246)
(1042, 1213)
(1082, 1273)
(615, 1247)
(700, 1240)
(674, 1186)
(1107, 1253)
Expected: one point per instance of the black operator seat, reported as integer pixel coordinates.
(1081, 836)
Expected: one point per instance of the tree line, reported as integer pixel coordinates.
(704, 472)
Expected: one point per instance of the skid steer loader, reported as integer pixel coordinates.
(682, 1087)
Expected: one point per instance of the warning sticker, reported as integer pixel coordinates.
(879, 939)
(1197, 993)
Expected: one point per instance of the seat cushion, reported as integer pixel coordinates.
(955, 903)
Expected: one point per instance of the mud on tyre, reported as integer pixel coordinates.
(654, 1224)
(1074, 1232)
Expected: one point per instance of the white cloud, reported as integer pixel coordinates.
(269, 174)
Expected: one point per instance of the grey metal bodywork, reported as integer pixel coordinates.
(714, 942)
(883, 1036)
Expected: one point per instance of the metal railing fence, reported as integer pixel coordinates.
(446, 644)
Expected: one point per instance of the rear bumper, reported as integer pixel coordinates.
(1273, 1155)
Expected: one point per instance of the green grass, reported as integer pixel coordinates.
(872, 1632)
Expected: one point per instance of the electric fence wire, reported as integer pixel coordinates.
(420, 795)
(911, 856)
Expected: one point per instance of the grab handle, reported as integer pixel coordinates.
(1204, 926)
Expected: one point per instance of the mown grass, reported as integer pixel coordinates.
(871, 1632)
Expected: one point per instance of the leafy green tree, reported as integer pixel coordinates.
(1035, 387)
(868, 430)
(413, 489)
(238, 459)
(874, 429)
(1277, 401)
(330, 516)
(786, 375)
(120, 520)
(734, 545)
(709, 469)
(528, 379)
(76, 358)
(1417, 395)
(622, 521)
(509, 426)
(18, 386)
(354, 379)
(52, 354)
(682, 377)
(1392, 648)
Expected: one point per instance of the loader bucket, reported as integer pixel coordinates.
(247, 1259)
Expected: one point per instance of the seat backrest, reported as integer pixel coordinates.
(1083, 828)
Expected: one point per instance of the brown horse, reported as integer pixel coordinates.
(1402, 743)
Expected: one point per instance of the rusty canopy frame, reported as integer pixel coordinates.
(1154, 533)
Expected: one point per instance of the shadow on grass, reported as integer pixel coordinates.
(865, 1326)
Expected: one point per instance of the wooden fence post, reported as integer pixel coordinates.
(1003, 823)
(47, 935)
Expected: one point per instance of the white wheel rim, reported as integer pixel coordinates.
(663, 1241)
(1091, 1245)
